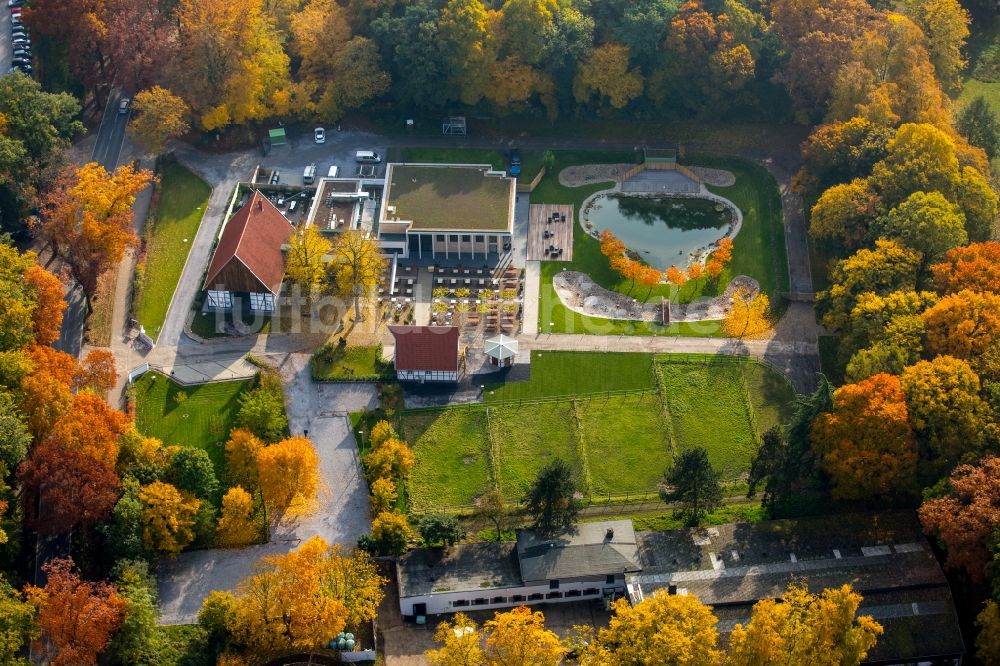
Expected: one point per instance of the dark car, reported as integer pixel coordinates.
(515, 162)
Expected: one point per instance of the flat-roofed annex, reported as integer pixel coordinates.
(449, 198)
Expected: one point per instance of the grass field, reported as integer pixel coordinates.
(202, 420)
(169, 234)
(759, 249)
(346, 363)
(979, 41)
(618, 443)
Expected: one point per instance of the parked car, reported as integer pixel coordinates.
(15, 11)
(15, 3)
(22, 41)
(319, 134)
(275, 177)
(123, 105)
(22, 53)
(515, 162)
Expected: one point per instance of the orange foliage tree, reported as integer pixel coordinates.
(48, 293)
(77, 618)
(866, 444)
(236, 523)
(91, 427)
(964, 325)
(87, 218)
(289, 476)
(675, 276)
(975, 267)
(65, 489)
(241, 457)
(968, 516)
(97, 371)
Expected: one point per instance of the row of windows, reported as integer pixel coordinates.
(224, 299)
(520, 598)
(554, 584)
(220, 299)
(427, 375)
(466, 238)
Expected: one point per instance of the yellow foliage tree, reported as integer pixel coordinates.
(988, 640)
(672, 630)
(159, 115)
(519, 638)
(168, 517)
(289, 476)
(241, 457)
(384, 494)
(606, 73)
(381, 432)
(805, 628)
(393, 459)
(749, 315)
(391, 532)
(236, 523)
(460, 642)
(357, 267)
(305, 261)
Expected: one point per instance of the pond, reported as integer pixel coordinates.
(664, 231)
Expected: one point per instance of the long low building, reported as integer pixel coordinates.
(589, 561)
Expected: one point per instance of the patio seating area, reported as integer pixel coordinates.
(478, 298)
(550, 232)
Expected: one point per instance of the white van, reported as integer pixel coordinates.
(309, 175)
(367, 157)
(332, 173)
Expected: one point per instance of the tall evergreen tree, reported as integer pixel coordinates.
(551, 499)
(694, 484)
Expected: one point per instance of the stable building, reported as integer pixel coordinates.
(248, 263)
(426, 353)
(463, 212)
(587, 561)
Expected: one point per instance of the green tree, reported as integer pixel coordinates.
(41, 122)
(414, 51)
(946, 24)
(693, 483)
(551, 499)
(17, 624)
(978, 200)
(262, 412)
(123, 533)
(469, 46)
(191, 469)
(14, 434)
(492, 507)
(977, 121)
(139, 641)
(928, 223)
(440, 529)
(920, 158)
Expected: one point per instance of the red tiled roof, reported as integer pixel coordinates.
(254, 236)
(426, 347)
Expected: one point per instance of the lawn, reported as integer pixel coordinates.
(170, 230)
(578, 373)
(723, 405)
(979, 41)
(618, 444)
(759, 249)
(202, 420)
(334, 362)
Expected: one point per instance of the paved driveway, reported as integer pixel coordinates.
(342, 515)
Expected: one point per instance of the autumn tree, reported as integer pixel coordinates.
(975, 267)
(919, 158)
(749, 315)
(838, 153)
(694, 484)
(519, 638)
(289, 476)
(946, 24)
(843, 214)
(988, 640)
(866, 444)
(159, 115)
(168, 518)
(606, 74)
(947, 414)
(19, 307)
(391, 533)
(673, 630)
(241, 457)
(805, 628)
(468, 34)
(92, 428)
(230, 66)
(96, 372)
(393, 459)
(305, 262)
(966, 517)
(47, 291)
(888, 328)
(65, 488)
(237, 526)
(461, 643)
(965, 324)
(17, 624)
(77, 618)
(87, 220)
(383, 494)
(357, 266)
(380, 433)
(551, 500)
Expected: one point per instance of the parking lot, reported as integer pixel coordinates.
(7, 45)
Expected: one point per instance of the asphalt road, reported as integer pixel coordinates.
(5, 50)
(107, 149)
